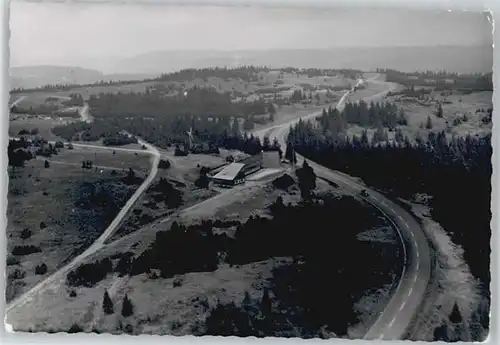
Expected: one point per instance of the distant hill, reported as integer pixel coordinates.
(461, 59)
(34, 76)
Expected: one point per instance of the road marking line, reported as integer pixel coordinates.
(392, 322)
(400, 217)
(417, 265)
(402, 305)
(418, 255)
(381, 336)
(409, 291)
(392, 210)
(415, 278)
(407, 226)
(383, 203)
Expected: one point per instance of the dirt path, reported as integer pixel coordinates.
(57, 278)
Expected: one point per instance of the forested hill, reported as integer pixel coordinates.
(460, 59)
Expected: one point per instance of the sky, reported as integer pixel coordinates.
(77, 34)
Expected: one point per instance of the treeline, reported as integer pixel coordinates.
(37, 110)
(385, 114)
(456, 173)
(96, 130)
(246, 73)
(324, 72)
(209, 135)
(410, 91)
(346, 73)
(334, 123)
(441, 80)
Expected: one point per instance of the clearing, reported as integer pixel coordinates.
(463, 113)
(106, 158)
(173, 188)
(44, 124)
(56, 212)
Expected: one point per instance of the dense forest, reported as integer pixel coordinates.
(164, 121)
(218, 133)
(456, 173)
(246, 73)
(153, 103)
(441, 80)
(332, 125)
(384, 114)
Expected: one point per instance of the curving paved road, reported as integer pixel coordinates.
(58, 277)
(393, 322)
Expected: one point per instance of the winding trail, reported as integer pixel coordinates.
(58, 277)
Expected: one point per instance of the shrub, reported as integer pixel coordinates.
(283, 182)
(177, 282)
(89, 274)
(164, 164)
(12, 260)
(75, 329)
(43, 225)
(202, 182)
(41, 269)
(25, 250)
(123, 265)
(25, 233)
(204, 170)
(17, 274)
(128, 329)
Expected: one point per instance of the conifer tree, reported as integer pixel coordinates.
(127, 307)
(265, 304)
(428, 124)
(107, 304)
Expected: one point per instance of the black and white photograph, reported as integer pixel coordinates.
(249, 171)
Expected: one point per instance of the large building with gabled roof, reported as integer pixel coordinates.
(235, 173)
(230, 175)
